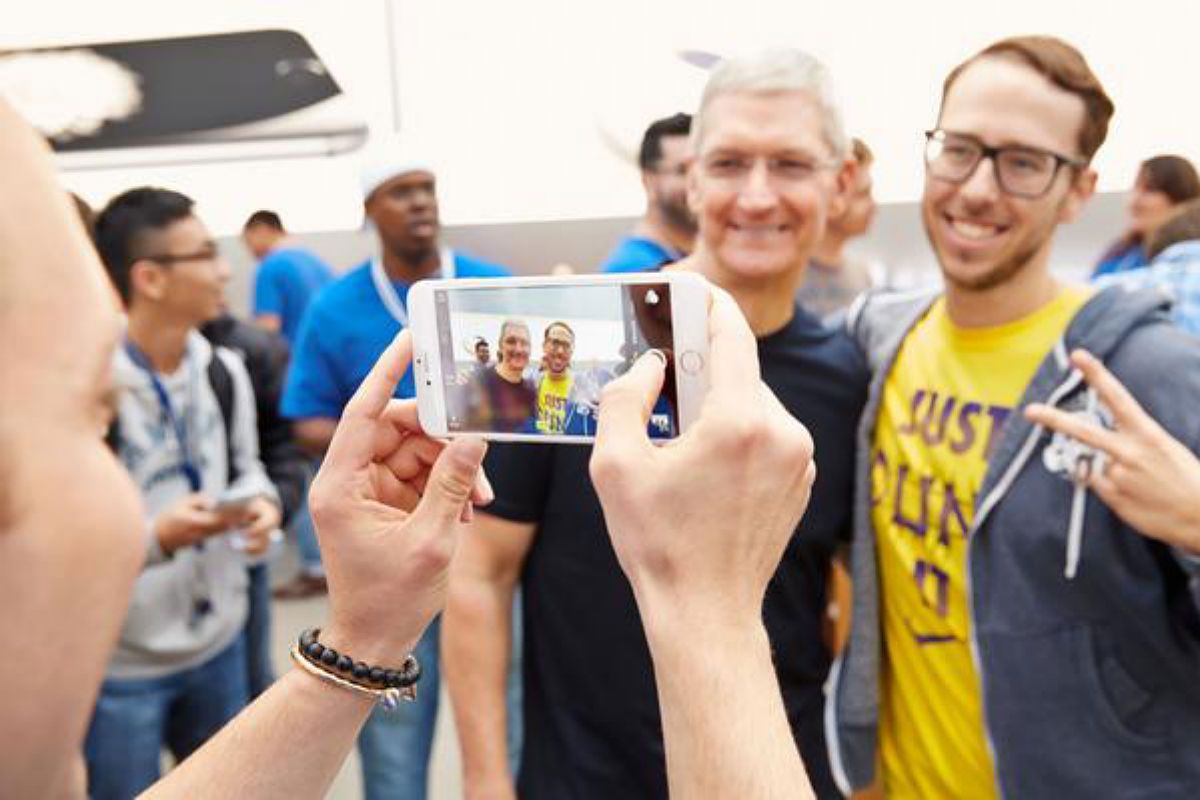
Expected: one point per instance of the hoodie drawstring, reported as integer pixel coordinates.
(1087, 461)
(1075, 530)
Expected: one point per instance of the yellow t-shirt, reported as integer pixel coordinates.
(943, 406)
(552, 402)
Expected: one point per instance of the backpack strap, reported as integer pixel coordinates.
(222, 385)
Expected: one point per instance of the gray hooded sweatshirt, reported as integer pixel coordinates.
(1085, 633)
(163, 634)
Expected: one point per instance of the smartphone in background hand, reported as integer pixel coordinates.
(526, 359)
(232, 500)
(220, 97)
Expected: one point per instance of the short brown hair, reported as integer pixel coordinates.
(1182, 226)
(1066, 68)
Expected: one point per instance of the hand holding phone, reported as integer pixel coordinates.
(188, 521)
(256, 520)
(233, 502)
(745, 471)
(526, 359)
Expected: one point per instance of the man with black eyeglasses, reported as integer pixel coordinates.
(1011, 635)
(185, 428)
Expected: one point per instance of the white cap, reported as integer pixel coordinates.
(383, 162)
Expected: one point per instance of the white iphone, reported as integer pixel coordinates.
(525, 359)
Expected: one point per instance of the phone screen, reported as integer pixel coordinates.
(533, 360)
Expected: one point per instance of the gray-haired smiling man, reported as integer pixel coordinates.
(768, 163)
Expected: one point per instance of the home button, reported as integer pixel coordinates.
(691, 362)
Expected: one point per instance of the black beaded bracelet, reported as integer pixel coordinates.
(342, 666)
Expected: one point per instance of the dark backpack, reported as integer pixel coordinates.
(222, 386)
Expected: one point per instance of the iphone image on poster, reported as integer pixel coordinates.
(218, 97)
(526, 359)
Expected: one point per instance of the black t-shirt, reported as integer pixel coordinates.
(592, 725)
(509, 406)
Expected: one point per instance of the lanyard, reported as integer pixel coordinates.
(202, 604)
(176, 423)
(388, 294)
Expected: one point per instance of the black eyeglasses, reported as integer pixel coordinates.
(1021, 171)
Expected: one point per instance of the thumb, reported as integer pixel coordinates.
(626, 403)
(450, 483)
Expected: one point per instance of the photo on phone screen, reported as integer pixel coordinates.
(533, 360)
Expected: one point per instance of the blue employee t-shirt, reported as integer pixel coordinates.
(287, 280)
(638, 254)
(346, 329)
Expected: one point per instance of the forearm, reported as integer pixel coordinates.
(290, 742)
(725, 727)
(315, 434)
(476, 643)
(1185, 541)
(1189, 532)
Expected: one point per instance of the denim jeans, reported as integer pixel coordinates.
(394, 746)
(135, 718)
(259, 671)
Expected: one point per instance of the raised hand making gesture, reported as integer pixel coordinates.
(1148, 478)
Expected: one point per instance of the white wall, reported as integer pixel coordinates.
(526, 104)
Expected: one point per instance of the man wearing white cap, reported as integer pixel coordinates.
(343, 333)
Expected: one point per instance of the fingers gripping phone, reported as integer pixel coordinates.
(526, 359)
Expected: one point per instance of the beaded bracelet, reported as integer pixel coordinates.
(388, 686)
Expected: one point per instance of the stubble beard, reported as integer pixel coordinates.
(678, 216)
(1001, 273)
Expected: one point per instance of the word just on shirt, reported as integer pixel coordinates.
(924, 501)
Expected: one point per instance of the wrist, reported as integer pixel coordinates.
(1189, 542)
(325, 692)
(674, 623)
(493, 782)
(372, 647)
(159, 542)
(1192, 545)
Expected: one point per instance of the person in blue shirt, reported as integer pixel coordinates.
(288, 276)
(667, 230)
(345, 330)
(1162, 184)
(1174, 252)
